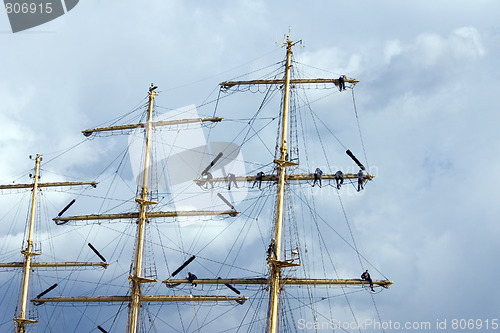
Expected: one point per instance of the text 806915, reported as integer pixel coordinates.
(28, 8)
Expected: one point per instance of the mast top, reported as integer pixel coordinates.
(288, 42)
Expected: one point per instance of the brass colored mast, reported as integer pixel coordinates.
(22, 318)
(135, 278)
(143, 215)
(276, 281)
(282, 164)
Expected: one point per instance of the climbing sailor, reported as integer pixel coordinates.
(258, 178)
(191, 278)
(361, 177)
(209, 178)
(339, 178)
(342, 82)
(366, 277)
(271, 250)
(232, 179)
(317, 176)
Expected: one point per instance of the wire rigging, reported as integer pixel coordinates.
(359, 128)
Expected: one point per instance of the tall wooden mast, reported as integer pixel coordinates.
(282, 164)
(22, 318)
(275, 281)
(136, 277)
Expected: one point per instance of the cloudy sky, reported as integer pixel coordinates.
(426, 100)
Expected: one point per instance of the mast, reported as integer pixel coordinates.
(22, 316)
(136, 279)
(21, 319)
(142, 217)
(275, 279)
(282, 164)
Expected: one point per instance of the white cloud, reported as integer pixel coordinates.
(392, 48)
(467, 42)
(428, 49)
(431, 49)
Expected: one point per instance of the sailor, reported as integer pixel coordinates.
(361, 177)
(209, 178)
(232, 179)
(339, 177)
(317, 176)
(295, 253)
(342, 82)
(366, 276)
(271, 250)
(258, 179)
(191, 278)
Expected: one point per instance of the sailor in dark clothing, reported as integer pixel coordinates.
(339, 177)
(366, 276)
(209, 178)
(271, 250)
(258, 179)
(232, 179)
(317, 176)
(191, 278)
(361, 177)
(342, 82)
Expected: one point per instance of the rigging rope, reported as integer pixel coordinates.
(217, 103)
(359, 128)
(321, 69)
(367, 164)
(339, 235)
(320, 235)
(328, 129)
(246, 223)
(350, 231)
(65, 151)
(320, 140)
